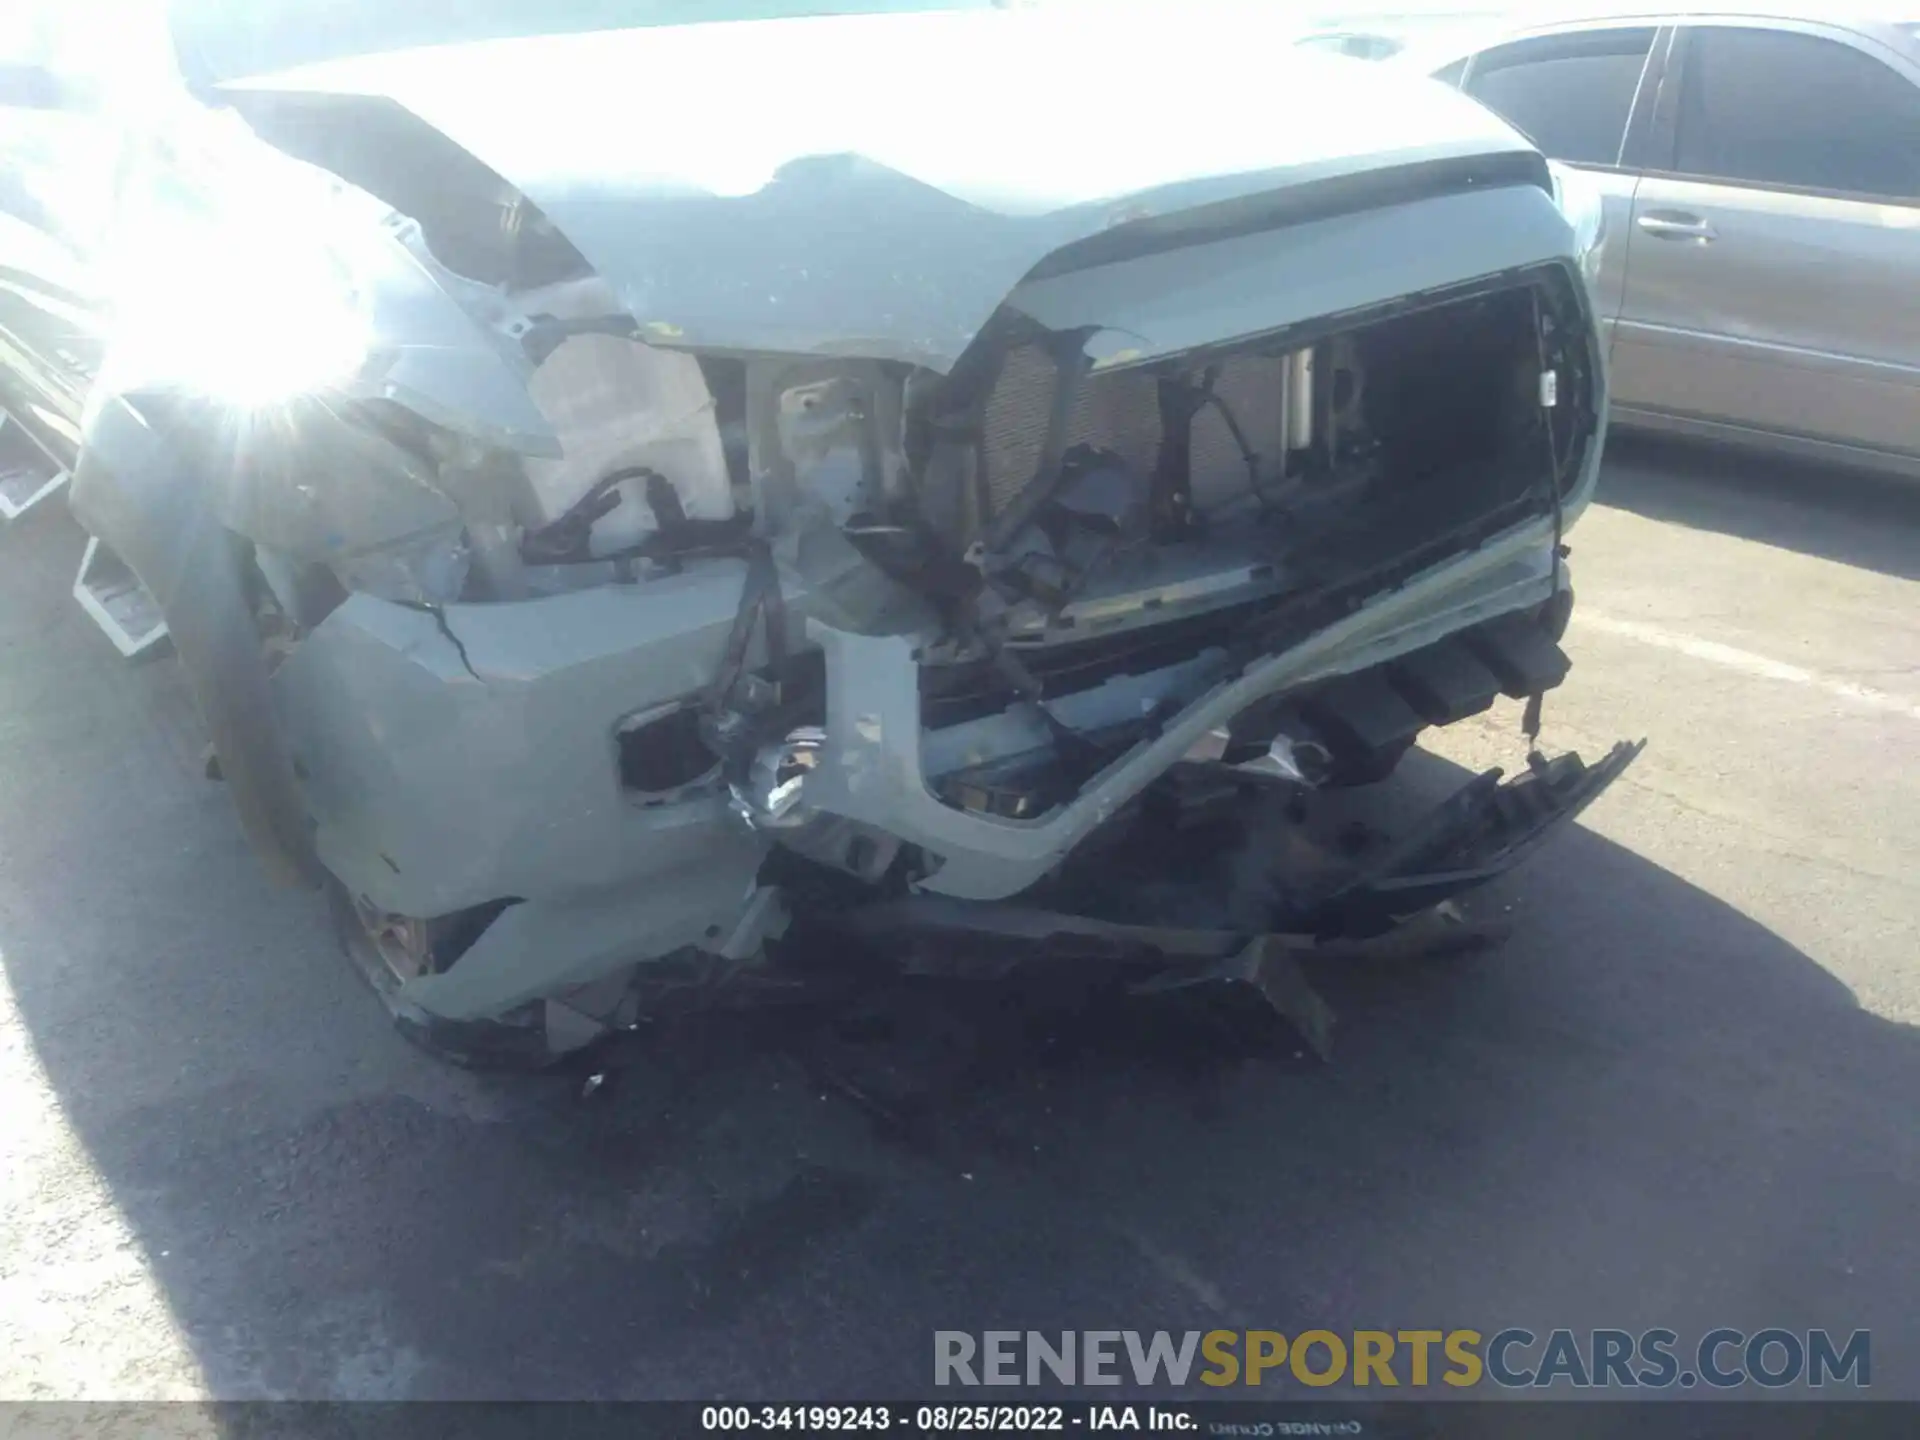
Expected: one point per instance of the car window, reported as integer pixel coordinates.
(1852, 123)
(1569, 94)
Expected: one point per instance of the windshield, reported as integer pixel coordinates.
(225, 39)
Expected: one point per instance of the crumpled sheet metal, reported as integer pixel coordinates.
(960, 939)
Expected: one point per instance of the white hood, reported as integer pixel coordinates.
(877, 184)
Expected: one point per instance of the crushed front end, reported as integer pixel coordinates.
(579, 716)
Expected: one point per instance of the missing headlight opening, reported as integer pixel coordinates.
(1197, 508)
(718, 619)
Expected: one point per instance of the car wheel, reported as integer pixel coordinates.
(388, 950)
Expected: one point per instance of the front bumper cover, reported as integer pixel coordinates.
(1395, 904)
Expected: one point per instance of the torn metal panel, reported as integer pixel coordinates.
(961, 940)
(872, 768)
(1395, 905)
(695, 897)
(1270, 967)
(1006, 935)
(966, 940)
(1475, 836)
(429, 354)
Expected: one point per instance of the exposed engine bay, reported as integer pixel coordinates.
(578, 706)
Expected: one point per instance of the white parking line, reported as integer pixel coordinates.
(1714, 653)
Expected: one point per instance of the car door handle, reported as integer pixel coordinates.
(1677, 225)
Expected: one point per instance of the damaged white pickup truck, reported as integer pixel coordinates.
(621, 496)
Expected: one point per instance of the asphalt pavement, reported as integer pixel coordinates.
(1682, 1094)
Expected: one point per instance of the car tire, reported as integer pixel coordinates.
(515, 1042)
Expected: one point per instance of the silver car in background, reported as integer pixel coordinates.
(1760, 176)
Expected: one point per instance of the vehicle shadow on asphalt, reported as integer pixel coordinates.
(1853, 517)
(1644, 1109)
